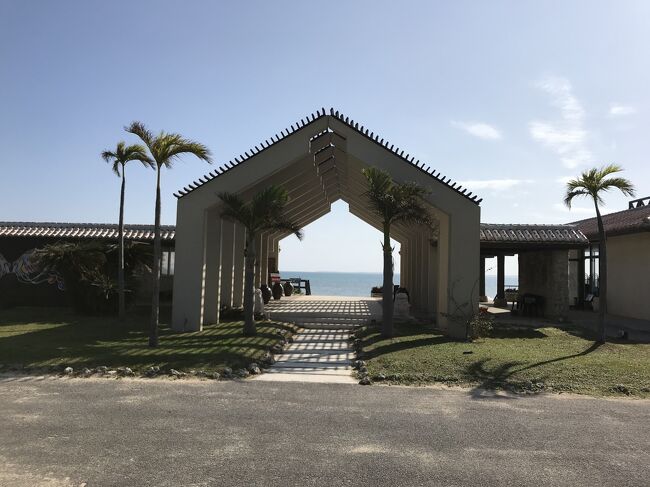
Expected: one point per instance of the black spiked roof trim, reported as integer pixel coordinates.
(351, 124)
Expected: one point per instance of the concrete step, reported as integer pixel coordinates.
(307, 368)
(320, 358)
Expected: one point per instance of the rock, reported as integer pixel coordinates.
(175, 373)
(201, 373)
(111, 373)
(124, 371)
(358, 364)
(243, 373)
(68, 371)
(86, 372)
(215, 376)
(380, 377)
(267, 360)
(622, 389)
(365, 381)
(363, 370)
(277, 348)
(254, 369)
(152, 371)
(102, 369)
(227, 372)
(645, 389)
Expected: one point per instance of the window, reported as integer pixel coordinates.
(167, 263)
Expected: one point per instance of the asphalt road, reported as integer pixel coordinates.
(165, 433)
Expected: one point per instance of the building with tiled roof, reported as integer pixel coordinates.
(633, 220)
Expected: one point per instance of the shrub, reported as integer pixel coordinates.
(480, 325)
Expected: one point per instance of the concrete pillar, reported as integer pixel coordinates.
(402, 265)
(424, 272)
(581, 278)
(444, 285)
(500, 298)
(227, 262)
(414, 274)
(238, 267)
(432, 279)
(264, 260)
(189, 269)
(258, 260)
(481, 290)
(212, 296)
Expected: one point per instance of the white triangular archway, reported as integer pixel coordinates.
(320, 161)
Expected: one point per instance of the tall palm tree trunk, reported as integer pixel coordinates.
(602, 277)
(387, 288)
(249, 287)
(155, 288)
(120, 270)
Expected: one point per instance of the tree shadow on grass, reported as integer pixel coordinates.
(500, 376)
(374, 345)
(92, 341)
(509, 331)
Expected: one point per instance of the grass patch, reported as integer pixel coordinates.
(54, 337)
(520, 359)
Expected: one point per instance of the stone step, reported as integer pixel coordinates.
(321, 358)
(323, 348)
(307, 367)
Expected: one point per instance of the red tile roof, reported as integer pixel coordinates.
(633, 220)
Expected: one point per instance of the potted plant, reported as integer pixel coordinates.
(277, 290)
(288, 288)
(266, 293)
(375, 292)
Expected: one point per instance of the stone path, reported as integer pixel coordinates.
(321, 352)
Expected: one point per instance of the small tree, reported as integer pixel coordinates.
(264, 212)
(593, 184)
(165, 149)
(393, 203)
(119, 158)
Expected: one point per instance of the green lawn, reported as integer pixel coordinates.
(511, 358)
(52, 337)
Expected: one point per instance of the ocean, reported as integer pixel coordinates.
(359, 283)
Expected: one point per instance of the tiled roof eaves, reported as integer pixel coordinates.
(350, 123)
(82, 230)
(540, 234)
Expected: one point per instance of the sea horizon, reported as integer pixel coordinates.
(359, 284)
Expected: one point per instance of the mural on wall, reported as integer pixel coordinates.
(28, 272)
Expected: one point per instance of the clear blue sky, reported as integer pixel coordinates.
(508, 97)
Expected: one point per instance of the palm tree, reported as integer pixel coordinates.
(592, 184)
(165, 148)
(264, 212)
(393, 203)
(119, 158)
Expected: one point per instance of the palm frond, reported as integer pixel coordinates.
(139, 129)
(234, 208)
(396, 202)
(595, 181)
(123, 154)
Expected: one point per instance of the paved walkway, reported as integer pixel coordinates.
(321, 352)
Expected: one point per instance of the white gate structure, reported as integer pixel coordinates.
(319, 160)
